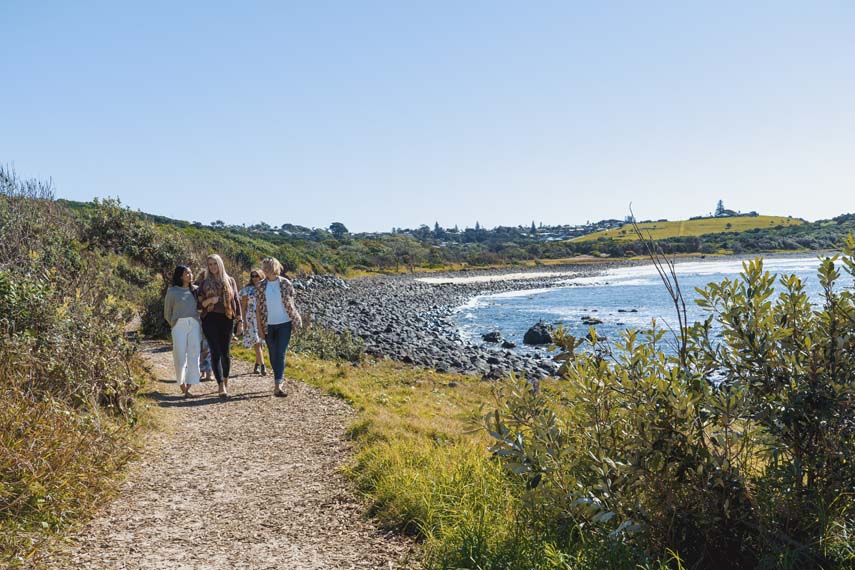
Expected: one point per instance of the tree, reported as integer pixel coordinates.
(339, 230)
(719, 208)
(438, 232)
(533, 228)
(477, 227)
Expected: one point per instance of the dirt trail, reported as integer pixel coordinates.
(251, 482)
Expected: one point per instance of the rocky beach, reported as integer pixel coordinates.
(408, 318)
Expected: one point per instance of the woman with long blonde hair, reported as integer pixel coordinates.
(276, 315)
(218, 300)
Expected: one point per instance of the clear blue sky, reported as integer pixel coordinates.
(398, 113)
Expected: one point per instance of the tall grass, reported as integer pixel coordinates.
(66, 381)
(422, 463)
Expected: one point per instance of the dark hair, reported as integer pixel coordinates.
(178, 274)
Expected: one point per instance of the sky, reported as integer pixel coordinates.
(396, 113)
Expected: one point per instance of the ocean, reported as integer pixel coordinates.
(622, 297)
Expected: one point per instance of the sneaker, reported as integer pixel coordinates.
(263, 370)
(279, 393)
(255, 370)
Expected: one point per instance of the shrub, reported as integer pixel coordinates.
(328, 345)
(66, 388)
(735, 452)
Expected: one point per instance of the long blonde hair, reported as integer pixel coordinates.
(227, 288)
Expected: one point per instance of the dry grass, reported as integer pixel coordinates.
(57, 464)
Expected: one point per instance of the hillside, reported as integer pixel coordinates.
(320, 250)
(697, 227)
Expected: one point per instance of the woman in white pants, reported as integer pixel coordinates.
(180, 311)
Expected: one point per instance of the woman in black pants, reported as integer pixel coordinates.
(218, 299)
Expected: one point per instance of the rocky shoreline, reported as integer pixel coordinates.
(407, 319)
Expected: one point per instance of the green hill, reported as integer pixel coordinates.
(697, 227)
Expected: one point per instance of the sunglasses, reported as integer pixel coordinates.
(253, 276)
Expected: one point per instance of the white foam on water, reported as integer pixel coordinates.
(493, 278)
(648, 275)
(521, 293)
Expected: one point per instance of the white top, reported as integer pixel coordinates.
(276, 313)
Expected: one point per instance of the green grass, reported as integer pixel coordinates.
(664, 230)
(423, 464)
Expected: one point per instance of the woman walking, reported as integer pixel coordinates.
(180, 311)
(250, 320)
(276, 314)
(220, 306)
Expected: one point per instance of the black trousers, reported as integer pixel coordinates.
(218, 330)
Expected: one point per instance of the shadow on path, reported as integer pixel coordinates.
(179, 401)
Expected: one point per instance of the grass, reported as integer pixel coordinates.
(422, 462)
(57, 464)
(664, 230)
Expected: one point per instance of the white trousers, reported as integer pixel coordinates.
(186, 342)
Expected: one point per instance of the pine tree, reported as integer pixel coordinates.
(477, 227)
(719, 209)
(533, 228)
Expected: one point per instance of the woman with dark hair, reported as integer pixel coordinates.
(181, 312)
(218, 299)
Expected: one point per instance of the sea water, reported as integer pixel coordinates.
(623, 297)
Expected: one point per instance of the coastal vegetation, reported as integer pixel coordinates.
(733, 451)
(68, 376)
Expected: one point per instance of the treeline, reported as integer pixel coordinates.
(336, 250)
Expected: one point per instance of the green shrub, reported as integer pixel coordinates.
(736, 452)
(153, 323)
(328, 345)
(66, 387)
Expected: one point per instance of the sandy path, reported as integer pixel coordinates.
(250, 482)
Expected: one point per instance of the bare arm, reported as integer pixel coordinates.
(244, 301)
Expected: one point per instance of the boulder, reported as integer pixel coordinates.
(494, 336)
(539, 334)
(508, 344)
(494, 373)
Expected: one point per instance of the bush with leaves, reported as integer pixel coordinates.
(66, 388)
(735, 451)
(328, 344)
